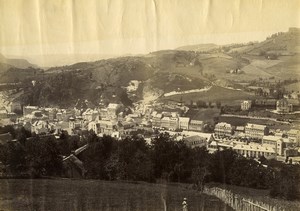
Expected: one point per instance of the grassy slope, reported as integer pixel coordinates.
(100, 195)
(170, 70)
(214, 94)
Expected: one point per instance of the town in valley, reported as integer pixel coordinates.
(241, 99)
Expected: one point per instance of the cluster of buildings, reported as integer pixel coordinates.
(250, 140)
(114, 120)
(281, 106)
(254, 140)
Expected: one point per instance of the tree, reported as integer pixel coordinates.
(13, 156)
(200, 166)
(220, 165)
(43, 157)
(286, 183)
(249, 173)
(134, 158)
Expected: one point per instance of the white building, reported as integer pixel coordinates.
(223, 129)
(283, 106)
(112, 109)
(195, 125)
(246, 105)
(40, 126)
(170, 123)
(255, 150)
(256, 131)
(276, 142)
(184, 123)
(294, 135)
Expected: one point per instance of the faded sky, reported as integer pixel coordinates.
(32, 27)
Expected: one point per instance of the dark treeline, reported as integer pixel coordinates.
(134, 159)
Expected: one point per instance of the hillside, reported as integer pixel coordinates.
(200, 47)
(18, 63)
(14, 70)
(162, 72)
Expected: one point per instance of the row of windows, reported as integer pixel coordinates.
(254, 153)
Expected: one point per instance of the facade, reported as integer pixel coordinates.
(256, 131)
(195, 125)
(156, 120)
(107, 127)
(90, 115)
(170, 123)
(283, 106)
(196, 141)
(184, 123)
(276, 142)
(246, 105)
(294, 135)
(75, 123)
(112, 109)
(40, 126)
(223, 129)
(255, 150)
(94, 126)
(239, 131)
(103, 113)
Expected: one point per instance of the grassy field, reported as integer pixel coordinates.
(65, 194)
(204, 114)
(233, 97)
(243, 121)
(288, 67)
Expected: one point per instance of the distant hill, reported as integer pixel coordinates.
(282, 43)
(183, 69)
(200, 47)
(18, 63)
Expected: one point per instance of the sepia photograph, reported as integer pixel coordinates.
(149, 105)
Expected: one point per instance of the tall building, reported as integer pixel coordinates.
(223, 129)
(256, 131)
(195, 125)
(184, 123)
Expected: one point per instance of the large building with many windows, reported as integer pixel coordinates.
(256, 131)
(184, 123)
(223, 129)
(195, 125)
(256, 150)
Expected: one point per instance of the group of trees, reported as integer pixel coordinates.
(132, 158)
(165, 159)
(28, 155)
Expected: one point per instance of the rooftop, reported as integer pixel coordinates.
(255, 126)
(257, 147)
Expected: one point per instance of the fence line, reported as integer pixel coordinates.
(239, 202)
